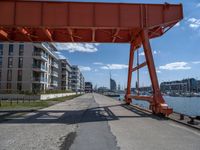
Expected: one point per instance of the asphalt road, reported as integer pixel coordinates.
(94, 122)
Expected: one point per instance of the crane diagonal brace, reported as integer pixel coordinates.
(139, 66)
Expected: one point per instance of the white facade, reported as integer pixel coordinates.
(28, 67)
(77, 79)
(64, 75)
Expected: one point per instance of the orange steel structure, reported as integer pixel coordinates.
(39, 21)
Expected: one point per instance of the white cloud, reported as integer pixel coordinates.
(85, 68)
(198, 5)
(194, 23)
(98, 63)
(114, 66)
(158, 71)
(141, 54)
(177, 24)
(196, 62)
(176, 66)
(77, 47)
(154, 52)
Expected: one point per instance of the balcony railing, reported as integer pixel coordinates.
(55, 83)
(64, 78)
(54, 73)
(39, 79)
(54, 64)
(64, 72)
(40, 54)
(40, 67)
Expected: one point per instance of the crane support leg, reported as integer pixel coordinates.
(130, 67)
(158, 105)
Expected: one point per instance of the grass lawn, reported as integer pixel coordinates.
(33, 104)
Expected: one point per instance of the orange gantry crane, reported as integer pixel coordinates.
(43, 21)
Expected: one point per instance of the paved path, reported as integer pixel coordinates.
(94, 122)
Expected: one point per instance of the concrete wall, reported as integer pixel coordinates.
(34, 97)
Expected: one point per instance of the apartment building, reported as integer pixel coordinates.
(181, 86)
(82, 83)
(64, 75)
(88, 87)
(29, 67)
(77, 79)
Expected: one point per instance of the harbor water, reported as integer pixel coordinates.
(185, 105)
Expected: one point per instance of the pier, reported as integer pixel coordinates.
(95, 122)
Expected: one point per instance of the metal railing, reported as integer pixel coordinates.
(54, 64)
(54, 73)
(39, 79)
(40, 54)
(41, 67)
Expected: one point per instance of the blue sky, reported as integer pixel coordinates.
(176, 54)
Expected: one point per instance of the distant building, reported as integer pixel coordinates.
(182, 86)
(29, 67)
(77, 79)
(64, 74)
(118, 88)
(198, 86)
(113, 85)
(147, 89)
(82, 83)
(88, 87)
(102, 89)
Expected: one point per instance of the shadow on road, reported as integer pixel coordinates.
(93, 114)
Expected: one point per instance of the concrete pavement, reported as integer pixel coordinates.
(95, 122)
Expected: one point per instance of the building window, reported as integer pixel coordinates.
(9, 86)
(21, 50)
(20, 62)
(10, 49)
(0, 75)
(9, 75)
(1, 61)
(19, 86)
(19, 77)
(10, 62)
(1, 49)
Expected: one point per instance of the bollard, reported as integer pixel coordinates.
(198, 117)
(182, 117)
(192, 121)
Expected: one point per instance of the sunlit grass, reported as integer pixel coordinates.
(33, 104)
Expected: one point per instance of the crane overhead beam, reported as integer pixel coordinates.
(88, 20)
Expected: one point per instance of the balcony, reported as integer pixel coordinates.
(39, 68)
(39, 79)
(64, 72)
(40, 55)
(63, 66)
(54, 83)
(54, 64)
(54, 73)
(64, 78)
